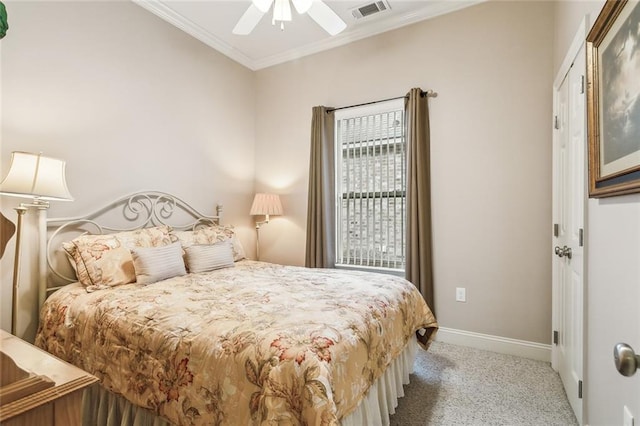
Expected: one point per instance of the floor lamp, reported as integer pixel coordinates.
(264, 204)
(42, 179)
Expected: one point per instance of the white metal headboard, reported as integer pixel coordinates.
(139, 210)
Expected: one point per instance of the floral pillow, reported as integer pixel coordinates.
(211, 235)
(103, 261)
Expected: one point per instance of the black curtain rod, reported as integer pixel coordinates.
(428, 93)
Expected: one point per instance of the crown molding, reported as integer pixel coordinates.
(366, 30)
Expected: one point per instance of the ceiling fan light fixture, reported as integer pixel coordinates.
(281, 12)
(317, 10)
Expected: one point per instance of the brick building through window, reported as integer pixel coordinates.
(370, 186)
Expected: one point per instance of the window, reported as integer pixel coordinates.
(370, 186)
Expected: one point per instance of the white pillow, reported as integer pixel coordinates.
(158, 263)
(207, 257)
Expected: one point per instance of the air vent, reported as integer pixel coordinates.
(370, 9)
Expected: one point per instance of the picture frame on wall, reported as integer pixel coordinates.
(613, 100)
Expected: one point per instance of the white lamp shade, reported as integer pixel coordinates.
(266, 204)
(36, 176)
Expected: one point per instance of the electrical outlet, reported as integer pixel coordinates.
(628, 417)
(461, 294)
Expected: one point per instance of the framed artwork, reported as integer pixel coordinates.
(613, 100)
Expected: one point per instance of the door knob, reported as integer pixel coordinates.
(567, 252)
(627, 362)
(562, 252)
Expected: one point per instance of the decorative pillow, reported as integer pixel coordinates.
(207, 257)
(103, 261)
(158, 263)
(211, 235)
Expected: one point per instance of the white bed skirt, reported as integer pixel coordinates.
(103, 408)
(382, 399)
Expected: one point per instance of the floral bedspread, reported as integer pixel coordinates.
(257, 343)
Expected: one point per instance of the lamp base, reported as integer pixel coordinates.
(258, 235)
(257, 241)
(21, 210)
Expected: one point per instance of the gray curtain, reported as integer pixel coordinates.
(320, 247)
(419, 248)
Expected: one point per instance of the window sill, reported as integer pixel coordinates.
(396, 272)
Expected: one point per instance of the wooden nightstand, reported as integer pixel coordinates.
(58, 403)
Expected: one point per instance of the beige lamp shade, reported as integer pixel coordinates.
(36, 176)
(266, 204)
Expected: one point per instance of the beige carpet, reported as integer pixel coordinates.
(456, 385)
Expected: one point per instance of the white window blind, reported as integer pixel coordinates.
(370, 186)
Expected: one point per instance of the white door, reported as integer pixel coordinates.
(569, 186)
(614, 309)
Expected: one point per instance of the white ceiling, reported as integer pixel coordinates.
(211, 21)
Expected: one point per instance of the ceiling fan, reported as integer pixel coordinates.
(316, 9)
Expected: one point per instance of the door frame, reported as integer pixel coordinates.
(578, 43)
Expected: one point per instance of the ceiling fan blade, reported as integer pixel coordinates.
(248, 21)
(302, 6)
(262, 5)
(326, 18)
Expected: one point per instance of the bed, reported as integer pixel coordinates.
(222, 339)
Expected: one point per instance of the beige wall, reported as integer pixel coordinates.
(131, 103)
(491, 152)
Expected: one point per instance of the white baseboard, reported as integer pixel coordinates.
(503, 345)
